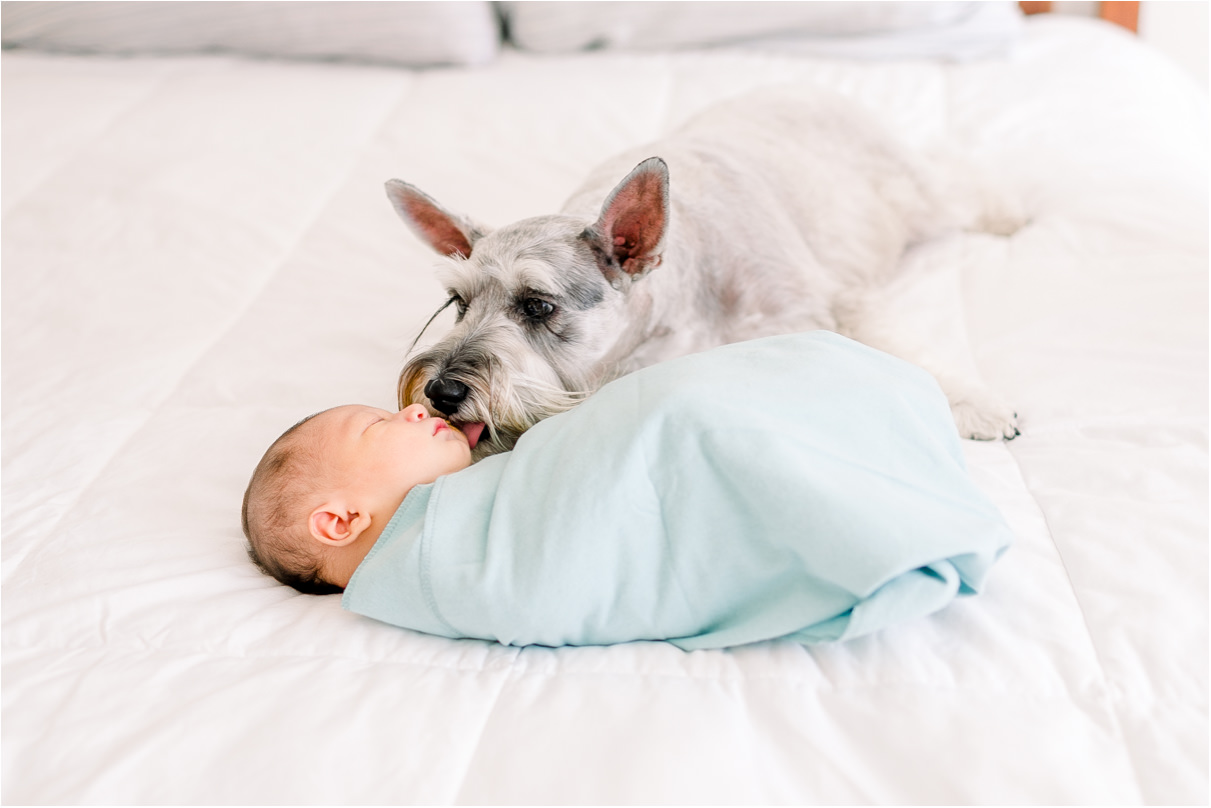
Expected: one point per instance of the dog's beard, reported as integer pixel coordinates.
(508, 401)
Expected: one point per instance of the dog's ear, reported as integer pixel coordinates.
(443, 231)
(630, 231)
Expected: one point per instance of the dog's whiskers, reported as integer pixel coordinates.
(428, 323)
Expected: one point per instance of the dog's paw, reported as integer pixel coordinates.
(1004, 222)
(984, 418)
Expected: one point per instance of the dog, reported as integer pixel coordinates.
(770, 213)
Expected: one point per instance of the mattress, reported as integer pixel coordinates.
(197, 251)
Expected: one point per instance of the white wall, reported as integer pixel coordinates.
(1180, 28)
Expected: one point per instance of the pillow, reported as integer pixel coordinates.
(866, 30)
(411, 34)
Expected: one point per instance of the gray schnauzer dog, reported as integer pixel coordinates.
(784, 212)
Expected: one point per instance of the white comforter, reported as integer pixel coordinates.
(197, 252)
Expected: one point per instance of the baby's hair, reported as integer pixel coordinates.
(276, 537)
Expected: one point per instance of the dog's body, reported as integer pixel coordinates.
(785, 209)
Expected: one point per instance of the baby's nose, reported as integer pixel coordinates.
(414, 412)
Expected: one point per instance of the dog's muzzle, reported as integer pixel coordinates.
(447, 395)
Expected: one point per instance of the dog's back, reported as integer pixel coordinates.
(780, 200)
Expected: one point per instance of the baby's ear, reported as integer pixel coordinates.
(336, 525)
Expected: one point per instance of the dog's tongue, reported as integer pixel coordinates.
(472, 431)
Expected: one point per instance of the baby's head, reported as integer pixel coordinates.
(324, 491)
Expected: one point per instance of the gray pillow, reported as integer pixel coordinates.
(864, 30)
(404, 33)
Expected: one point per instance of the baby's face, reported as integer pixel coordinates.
(384, 454)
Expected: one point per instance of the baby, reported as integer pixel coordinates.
(662, 508)
(324, 491)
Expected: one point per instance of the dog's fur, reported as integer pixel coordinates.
(782, 212)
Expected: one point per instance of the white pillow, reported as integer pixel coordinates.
(405, 33)
(867, 30)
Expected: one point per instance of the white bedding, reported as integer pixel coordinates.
(198, 251)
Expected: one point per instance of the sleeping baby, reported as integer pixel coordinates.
(665, 507)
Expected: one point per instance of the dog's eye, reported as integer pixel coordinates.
(536, 308)
(459, 304)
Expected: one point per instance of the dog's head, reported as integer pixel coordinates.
(542, 305)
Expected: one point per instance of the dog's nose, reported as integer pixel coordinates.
(446, 394)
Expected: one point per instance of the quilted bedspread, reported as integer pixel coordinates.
(198, 251)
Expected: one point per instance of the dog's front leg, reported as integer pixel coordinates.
(979, 414)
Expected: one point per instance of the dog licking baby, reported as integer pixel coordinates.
(777, 212)
(613, 501)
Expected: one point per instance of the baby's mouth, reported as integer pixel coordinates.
(472, 431)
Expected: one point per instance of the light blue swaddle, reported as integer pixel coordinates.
(801, 486)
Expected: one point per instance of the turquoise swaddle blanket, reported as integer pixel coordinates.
(801, 486)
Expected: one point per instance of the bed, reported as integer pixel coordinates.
(197, 251)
